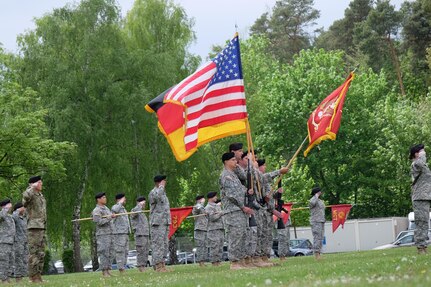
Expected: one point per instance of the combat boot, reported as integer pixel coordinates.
(257, 261)
(317, 256)
(422, 250)
(248, 262)
(166, 269)
(141, 269)
(215, 263)
(18, 279)
(282, 258)
(105, 273)
(266, 261)
(202, 264)
(159, 268)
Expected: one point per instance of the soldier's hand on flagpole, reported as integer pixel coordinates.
(277, 213)
(113, 215)
(248, 210)
(250, 191)
(284, 170)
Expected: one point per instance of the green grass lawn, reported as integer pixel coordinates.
(393, 267)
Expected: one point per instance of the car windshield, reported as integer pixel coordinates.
(295, 243)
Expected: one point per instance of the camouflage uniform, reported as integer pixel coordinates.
(35, 205)
(215, 236)
(104, 237)
(7, 235)
(121, 232)
(284, 240)
(141, 230)
(267, 220)
(20, 245)
(160, 219)
(235, 220)
(421, 198)
(200, 233)
(317, 221)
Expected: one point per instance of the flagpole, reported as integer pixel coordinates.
(289, 164)
(250, 147)
(303, 208)
(116, 214)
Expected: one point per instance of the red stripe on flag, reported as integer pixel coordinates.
(215, 107)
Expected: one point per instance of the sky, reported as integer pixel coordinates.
(215, 21)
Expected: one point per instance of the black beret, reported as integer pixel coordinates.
(199, 197)
(34, 179)
(17, 205)
(260, 162)
(4, 202)
(235, 146)
(315, 190)
(99, 195)
(159, 178)
(414, 149)
(140, 198)
(227, 156)
(211, 194)
(120, 196)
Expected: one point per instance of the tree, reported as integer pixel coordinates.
(25, 146)
(286, 27)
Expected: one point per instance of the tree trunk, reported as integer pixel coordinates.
(93, 250)
(76, 232)
(396, 64)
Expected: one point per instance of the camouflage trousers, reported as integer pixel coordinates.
(265, 225)
(36, 249)
(421, 209)
(6, 260)
(283, 242)
(20, 259)
(105, 245)
(318, 231)
(159, 243)
(236, 228)
(142, 248)
(200, 237)
(251, 244)
(121, 246)
(215, 240)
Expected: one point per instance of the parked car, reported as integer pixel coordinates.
(186, 257)
(59, 266)
(298, 247)
(404, 239)
(89, 266)
(132, 258)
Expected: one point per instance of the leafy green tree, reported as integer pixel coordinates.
(287, 27)
(25, 146)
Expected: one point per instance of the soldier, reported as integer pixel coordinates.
(236, 213)
(282, 229)
(200, 231)
(317, 220)
(141, 230)
(20, 244)
(35, 204)
(160, 219)
(121, 232)
(267, 212)
(102, 216)
(7, 235)
(215, 236)
(421, 195)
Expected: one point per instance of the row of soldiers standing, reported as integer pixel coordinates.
(22, 235)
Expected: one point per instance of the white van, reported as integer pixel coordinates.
(412, 224)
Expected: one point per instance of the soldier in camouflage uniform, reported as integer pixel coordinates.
(268, 211)
(317, 220)
(236, 213)
(7, 235)
(103, 218)
(141, 230)
(20, 245)
(121, 232)
(215, 235)
(200, 230)
(421, 195)
(35, 204)
(282, 229)
(160, 219)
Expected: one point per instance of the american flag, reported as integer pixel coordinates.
(212, 95)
